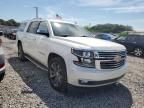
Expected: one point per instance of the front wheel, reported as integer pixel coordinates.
(138, 52)
(57, 74)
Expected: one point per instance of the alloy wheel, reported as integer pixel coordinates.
(138, 52)
(56, 76)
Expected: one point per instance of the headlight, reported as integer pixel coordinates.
(85, 58)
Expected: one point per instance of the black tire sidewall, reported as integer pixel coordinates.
(20, 48)
(60, 61)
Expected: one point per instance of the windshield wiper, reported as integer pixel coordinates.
(84, 36)
(65, 35)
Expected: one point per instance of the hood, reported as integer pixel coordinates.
(92, 43)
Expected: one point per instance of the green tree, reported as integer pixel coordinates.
(2, 22)
(10, 22)
(110, 28)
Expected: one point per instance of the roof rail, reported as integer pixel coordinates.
(36, 18)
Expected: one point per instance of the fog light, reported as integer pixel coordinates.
(83, 81)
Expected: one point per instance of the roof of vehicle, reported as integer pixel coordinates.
(136, 34)
(49, 20)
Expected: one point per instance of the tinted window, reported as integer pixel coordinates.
(106, 37)
(121, 38)
(99, 36)
(42, 28)
(22, 27)
(140, 39)
(131, 38)
(33, 27)
(103, 36)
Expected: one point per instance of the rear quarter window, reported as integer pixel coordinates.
(22, 27)
(33, 26)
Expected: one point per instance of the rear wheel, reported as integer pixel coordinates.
(21, 52)
(138, 52)
(57, 74)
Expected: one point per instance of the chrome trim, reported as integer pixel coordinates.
(97, 64)
(107, 58)
(114, 65)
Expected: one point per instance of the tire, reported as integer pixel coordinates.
(2, 76)
(138, 52)
(57, 74)
(21, 52)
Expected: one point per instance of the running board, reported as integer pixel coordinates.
(39, 65)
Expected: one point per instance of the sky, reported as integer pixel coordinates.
(84, 12)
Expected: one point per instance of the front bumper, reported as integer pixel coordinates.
(90, 77)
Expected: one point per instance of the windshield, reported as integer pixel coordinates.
(111, 36)
(67, 30)
(121, 38)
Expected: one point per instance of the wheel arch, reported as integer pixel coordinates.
(138, 46)
(52, 55)
(19, 42)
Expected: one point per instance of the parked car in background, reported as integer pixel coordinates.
(70, 55)
(133, 42)
(7, 33)
(12, 34)
(105, 36)
(2, 62)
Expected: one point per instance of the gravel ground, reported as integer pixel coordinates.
(26, 86)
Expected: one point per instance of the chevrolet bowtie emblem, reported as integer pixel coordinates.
(117, 58)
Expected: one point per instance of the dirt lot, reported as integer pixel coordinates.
(26, 86)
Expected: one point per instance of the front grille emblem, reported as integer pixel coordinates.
(96, 55)
(118, 58)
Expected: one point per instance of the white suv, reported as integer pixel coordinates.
(70, 54)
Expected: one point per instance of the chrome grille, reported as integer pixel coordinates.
(111, 55)
(108, 60)
(111, 64)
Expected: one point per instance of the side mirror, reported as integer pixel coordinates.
(43, 32)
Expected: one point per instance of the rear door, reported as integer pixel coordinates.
(141, 41)
(42, 41)
(131, 42)
(31, 38)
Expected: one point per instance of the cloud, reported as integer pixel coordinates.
(106, 3)
(117, 6)
(136, 21)
(99, 3)
(129, 9)
(28, 4)
(51, 11)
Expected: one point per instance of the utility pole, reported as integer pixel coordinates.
(36, 8)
